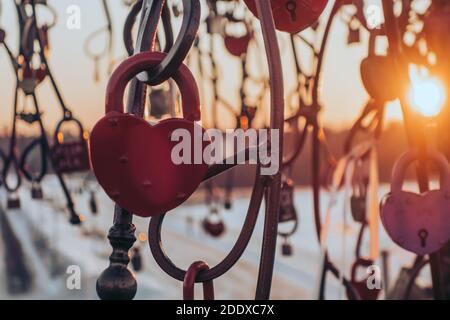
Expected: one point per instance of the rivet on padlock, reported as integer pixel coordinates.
(422, 227)
(189, 282)
(172, 183)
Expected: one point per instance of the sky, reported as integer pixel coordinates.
(342, 93)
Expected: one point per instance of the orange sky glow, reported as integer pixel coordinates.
(342, 93)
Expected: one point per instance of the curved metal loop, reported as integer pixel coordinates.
(291, 231)
(106, 29)
(190, 278)
(25, 168)
(28, 38)
(11, 161)
(52, 11)
(11, 157)
(178, 53)
(65, 120)
(91, 38)
(164, 262)
(128, 27)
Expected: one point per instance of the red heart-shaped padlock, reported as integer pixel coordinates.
(237, 46)
(419, 223)
(293, 16)
(134, 161)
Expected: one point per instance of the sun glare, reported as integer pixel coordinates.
(426, 95)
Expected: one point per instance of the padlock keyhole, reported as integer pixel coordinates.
(423, 235)
(291, 7)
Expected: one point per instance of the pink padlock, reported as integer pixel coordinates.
(419, 223)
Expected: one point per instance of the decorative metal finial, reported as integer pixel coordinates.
(118, 282)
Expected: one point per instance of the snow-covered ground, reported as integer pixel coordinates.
(50, 244)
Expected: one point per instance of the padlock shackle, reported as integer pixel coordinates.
(399, 170)
(189, 282)
(64, 120)
(131, 67)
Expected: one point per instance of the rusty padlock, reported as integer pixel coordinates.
(36, 191)
(70, 156)
(419, 223)
(293, 16)
(132, 159)
(189, 282)
(362, 286)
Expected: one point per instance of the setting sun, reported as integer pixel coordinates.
(426, 95)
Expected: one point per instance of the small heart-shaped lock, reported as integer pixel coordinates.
(292, 16)
(419, 223)
(238, 46)
(377, 76)
(213, 227)
(133, 160)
